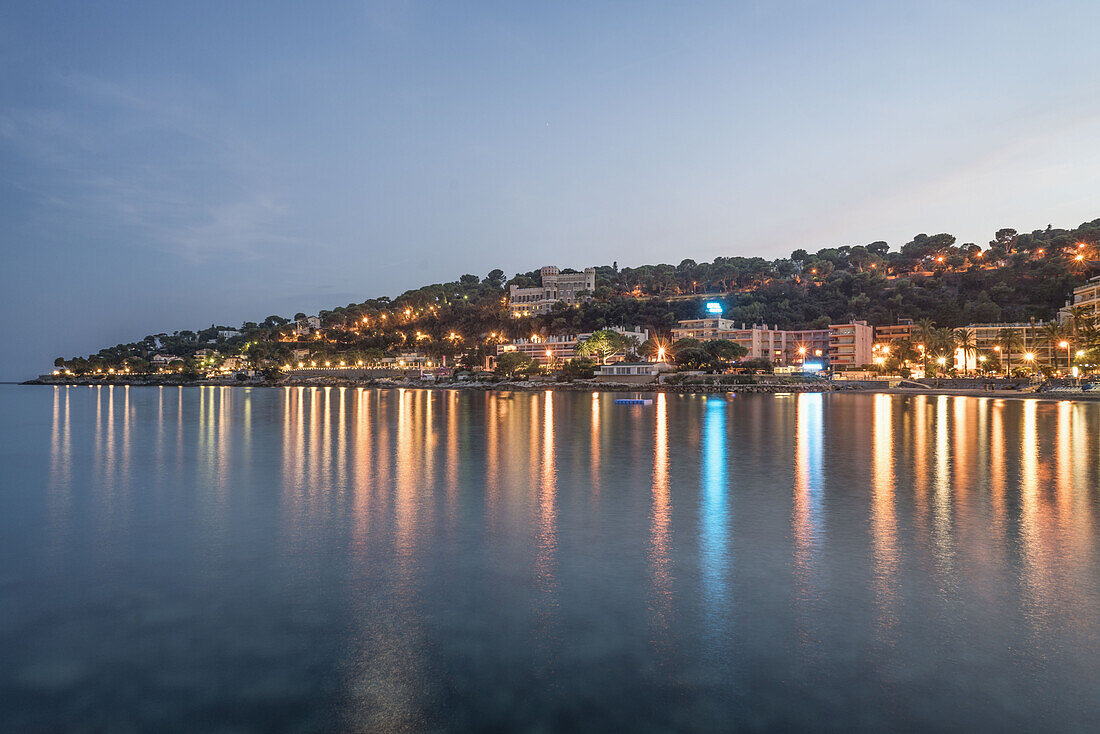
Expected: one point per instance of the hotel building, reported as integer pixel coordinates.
(556, 286)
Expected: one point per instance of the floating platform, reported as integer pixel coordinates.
(632, 401)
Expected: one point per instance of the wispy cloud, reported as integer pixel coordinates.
(158, 163)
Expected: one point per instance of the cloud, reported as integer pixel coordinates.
(156, 165)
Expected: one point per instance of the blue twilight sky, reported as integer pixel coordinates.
(169, 165)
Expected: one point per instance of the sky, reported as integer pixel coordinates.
(166, 166)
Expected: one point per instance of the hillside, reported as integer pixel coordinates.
(1013, 278)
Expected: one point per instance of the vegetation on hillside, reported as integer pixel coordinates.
(1015, 277)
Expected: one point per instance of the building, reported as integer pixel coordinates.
(560, 347)
(714, 327)
(570, 288)
(850, 345)
(162, 359)
(309, 323)
(902, 330)
(987, 339)
(638, 372)
(1086, 296)
(779, 346)
(228, 333)
(809, 346)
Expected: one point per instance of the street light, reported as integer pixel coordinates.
(1065, 345)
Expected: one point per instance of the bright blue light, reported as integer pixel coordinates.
(714, 307)
(812, 367)
(715, 557)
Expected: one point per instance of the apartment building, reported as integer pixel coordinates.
(987, 339)
(1087, 296)
(850, 344)
(556, 286)
(779, 346)
(810, 345)
(714, 327)
(902, 330)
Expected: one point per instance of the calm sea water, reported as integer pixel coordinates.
(299, 560)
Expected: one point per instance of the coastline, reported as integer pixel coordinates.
(587, 386)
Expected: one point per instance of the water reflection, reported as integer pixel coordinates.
(883, 516)
(808, 476)
(942, 535)
(660, 519)
(715, 559)
(806, 523)
(402, 557)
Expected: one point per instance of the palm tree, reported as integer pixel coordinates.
(926, 328)
(945, 344)
(1053, 335)
(1009, 339)
(966, 342)
(1081, 321)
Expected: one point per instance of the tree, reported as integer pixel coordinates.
(510, 363)
(925, 332)
(693, 358)
(965, 341)
(1009, 340)
(495, 278)
(603, 344)
(724, 350)
(578, 369)
(945, 344)
(1053, 335)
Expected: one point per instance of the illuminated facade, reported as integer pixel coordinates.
(987, 339)
(556, 348)
(569, 288)
(850, 344)
(901, 331)
(1086, 296)
(779, 346)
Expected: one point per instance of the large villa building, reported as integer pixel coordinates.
(569, 287)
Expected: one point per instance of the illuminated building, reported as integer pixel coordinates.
(561, 347)
(1086, 296)
(850, 344)
(778, 346)
(569, 288)
(901, 331)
